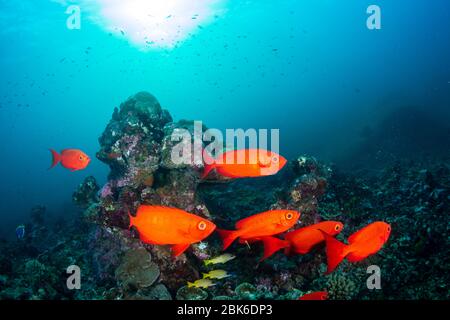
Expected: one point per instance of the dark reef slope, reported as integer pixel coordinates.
(136, 145)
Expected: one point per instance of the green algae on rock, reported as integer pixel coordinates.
(247, 291)
(185, 293)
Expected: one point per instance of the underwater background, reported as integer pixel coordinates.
(364, 118)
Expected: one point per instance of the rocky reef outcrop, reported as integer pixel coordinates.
(137, 145)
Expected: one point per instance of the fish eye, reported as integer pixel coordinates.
(201, 225)
(275, 159)
(337, 227)
(289, 215)
(389, 229)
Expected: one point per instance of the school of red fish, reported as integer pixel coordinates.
(159, 225)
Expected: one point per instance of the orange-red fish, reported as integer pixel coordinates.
(363, 243)
(72, 159)
(260, 225)
(299, 241)
(171, 226)
(304, 239)
(319, 295)
(244, 163)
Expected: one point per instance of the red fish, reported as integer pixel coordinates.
(299, 241)
(319, 295)
(363, 243)
(72, 159)
(260, 225)
(244, 163)
(272, 245)
(304, 239)
(170, 226)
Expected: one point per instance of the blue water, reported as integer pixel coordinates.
(310, 68)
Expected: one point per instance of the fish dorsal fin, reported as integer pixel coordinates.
(150, 207)
(178, 249)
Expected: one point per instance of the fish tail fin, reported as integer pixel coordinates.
(131, 219)
(227, 237)
(190, 284)
(272, 245)
(56, 158)
(208, 162)
(336, 251)
(207, 170)
(207, 262)
(205, 275)
(288, 249)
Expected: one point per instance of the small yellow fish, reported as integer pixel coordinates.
(216, 274)
(223, 258)
(202, 283)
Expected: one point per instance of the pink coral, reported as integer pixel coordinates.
(106, 190)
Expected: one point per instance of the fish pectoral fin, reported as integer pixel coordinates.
(178, 249)
(263, 164)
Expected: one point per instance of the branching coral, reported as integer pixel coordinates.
(340, 287)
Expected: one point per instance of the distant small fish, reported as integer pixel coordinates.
(72, 159)
(122, 32)
(223, 258)
(20, 232)
(319, 295)
(202, 283)
(216, 274)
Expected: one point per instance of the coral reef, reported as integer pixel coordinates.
(185, 293)
(137, 145)
(86, 192)
(137, 271)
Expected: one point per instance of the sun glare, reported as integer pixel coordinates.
(155, 23)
